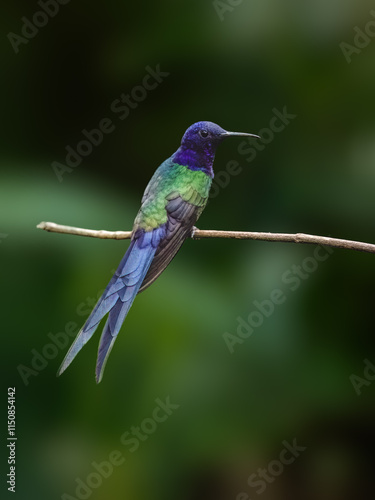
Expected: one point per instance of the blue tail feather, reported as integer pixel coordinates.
(118, 313)
(117, 299)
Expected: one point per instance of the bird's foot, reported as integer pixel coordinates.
(193, 231)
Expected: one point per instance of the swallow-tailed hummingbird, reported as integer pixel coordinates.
(172, 202)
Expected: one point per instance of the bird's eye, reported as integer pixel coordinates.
(203, 133)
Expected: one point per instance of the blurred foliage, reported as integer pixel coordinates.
(290, 379)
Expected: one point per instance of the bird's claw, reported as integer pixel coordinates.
(193, 231)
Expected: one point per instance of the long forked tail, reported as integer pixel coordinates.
(117, 299)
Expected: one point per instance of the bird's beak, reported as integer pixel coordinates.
(241, 134)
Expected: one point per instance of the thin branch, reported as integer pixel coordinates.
(239, 235)
(104, 235)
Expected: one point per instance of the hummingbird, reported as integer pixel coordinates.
(173, 201)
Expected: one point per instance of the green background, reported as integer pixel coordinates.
(290, 379)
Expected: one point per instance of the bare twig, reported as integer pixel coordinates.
(104, 235)
(239, 235)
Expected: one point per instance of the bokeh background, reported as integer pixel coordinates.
(291, 379)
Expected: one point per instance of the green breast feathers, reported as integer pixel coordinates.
(170, 181)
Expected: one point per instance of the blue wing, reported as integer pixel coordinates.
(117, 298)
(181, 217)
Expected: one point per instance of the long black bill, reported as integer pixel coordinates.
(241, 134)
